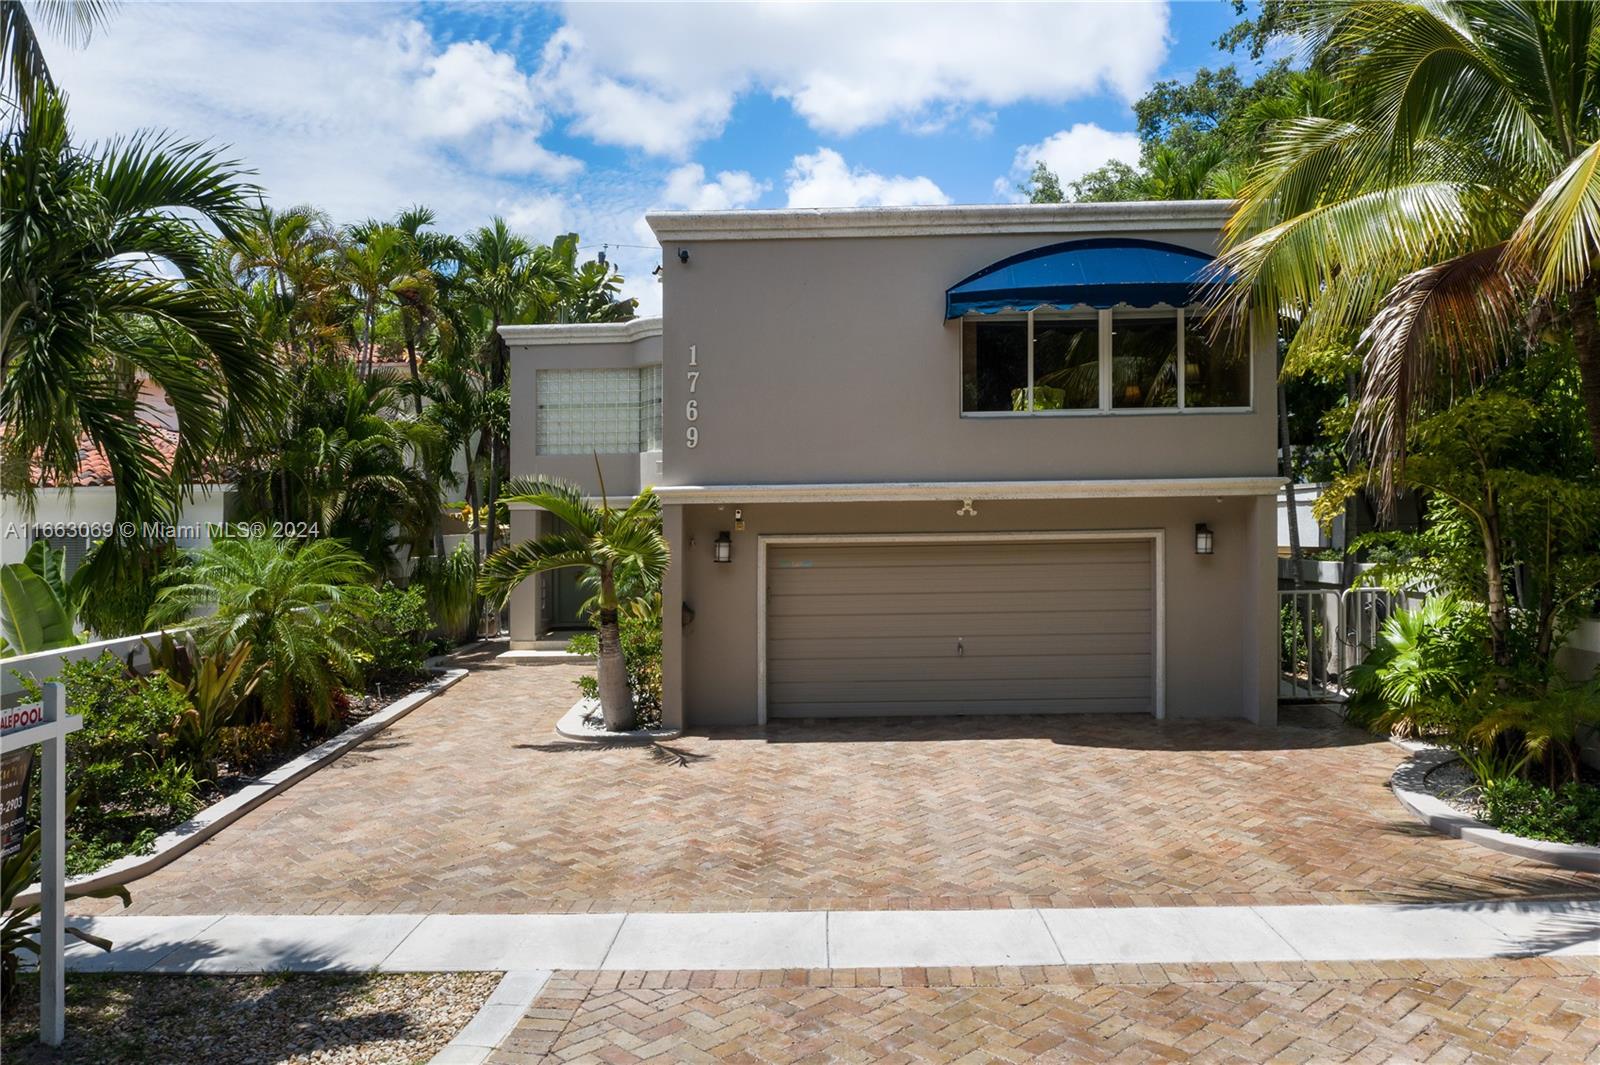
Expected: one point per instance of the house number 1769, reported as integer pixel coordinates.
(691, 409)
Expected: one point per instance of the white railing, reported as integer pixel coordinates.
(1325, 632)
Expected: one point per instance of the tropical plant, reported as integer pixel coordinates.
(19, 928)
(1569, 813)
(107, 276)
(1513, 522)
(216, 686)
(397, 636)
(449, 585)
(24, 74)
(1421, 669)
(639, 632)
(36, 604)
(122, 760)
(1548, 725)
(1446, 207)
(620, 549)
(300, 605)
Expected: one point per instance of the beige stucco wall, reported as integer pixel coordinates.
(829, 360)
(621, 470)
(1219, 640)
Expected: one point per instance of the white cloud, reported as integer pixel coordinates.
(343, 105)
(1070, 154)
(663, 77)
(688, 189)
(824, 179)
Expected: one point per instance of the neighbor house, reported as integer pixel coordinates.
(931, 461)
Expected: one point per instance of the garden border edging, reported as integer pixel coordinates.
(1446, 819)
(570, 727)
(180, 840)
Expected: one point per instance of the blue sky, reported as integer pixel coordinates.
(586, 116)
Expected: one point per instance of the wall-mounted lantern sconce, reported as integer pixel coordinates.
(683, 256)
(722, 548)
(1204, 541)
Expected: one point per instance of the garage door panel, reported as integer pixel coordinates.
(924, 556)
(1043, 627)
(866, 626)
(986, 707)
(937, 645)
(937, 691)
(950, 667)
(1109, 576)
(982, 601)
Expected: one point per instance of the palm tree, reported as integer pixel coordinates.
(618, 549)
(431, 260)
(299, 605)
(24, 73)
(287, 258)
(1445, 207)
(107, 274)
(348, 463)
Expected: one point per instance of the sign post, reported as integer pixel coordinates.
(47, 724)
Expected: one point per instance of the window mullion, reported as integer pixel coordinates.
(1105, 358)
(1183, 360)
(1030, 361)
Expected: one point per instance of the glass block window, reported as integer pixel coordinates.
(610, 411)
(650, 408)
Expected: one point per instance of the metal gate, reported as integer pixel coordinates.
(1323, 633)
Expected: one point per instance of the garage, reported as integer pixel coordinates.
(882, 626)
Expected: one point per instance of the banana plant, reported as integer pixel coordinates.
(35, 614)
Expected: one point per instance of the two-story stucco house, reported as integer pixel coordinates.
(931, 461)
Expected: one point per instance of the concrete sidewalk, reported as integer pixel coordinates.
(839, 939)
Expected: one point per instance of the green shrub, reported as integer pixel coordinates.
(121, 762)
(399, 638)
(450, 584)
(1424, 665)
(641, 650)
(1568, 814)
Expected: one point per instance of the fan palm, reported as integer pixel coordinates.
(618, 549)
(1453, 184)
(299, 604)
(106, 275)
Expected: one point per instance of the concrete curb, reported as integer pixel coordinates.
(495, 1020)
(1444, 818)
(182, 839)
(571, 727)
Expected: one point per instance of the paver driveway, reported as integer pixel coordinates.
(472, 805)
(1536, 1010)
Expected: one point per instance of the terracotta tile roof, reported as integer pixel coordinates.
(94, 469)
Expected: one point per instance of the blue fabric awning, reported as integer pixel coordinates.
(1102, 272)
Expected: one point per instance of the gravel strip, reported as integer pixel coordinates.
(1438, 772)
(251, 1020)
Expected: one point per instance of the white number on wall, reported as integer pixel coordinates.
(691, 409)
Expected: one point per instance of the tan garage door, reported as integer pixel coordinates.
(960, 628)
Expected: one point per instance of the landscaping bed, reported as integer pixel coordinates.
(244, 1020)
(1567, 814)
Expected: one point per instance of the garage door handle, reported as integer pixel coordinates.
(960, 647)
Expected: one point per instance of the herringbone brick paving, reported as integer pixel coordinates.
(471, 805)
(1526, 1010)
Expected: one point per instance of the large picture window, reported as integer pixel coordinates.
(1116, 361)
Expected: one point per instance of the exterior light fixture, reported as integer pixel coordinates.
(1204, 541)
(722, 548)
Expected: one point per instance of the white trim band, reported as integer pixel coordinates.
(971, 219)
(582, 332)
(1177, 487)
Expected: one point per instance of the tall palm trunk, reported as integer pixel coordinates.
(616, 703)
(1499, 610)
(1586, 341)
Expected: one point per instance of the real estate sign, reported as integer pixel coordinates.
(46, 724)
(15, 769)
